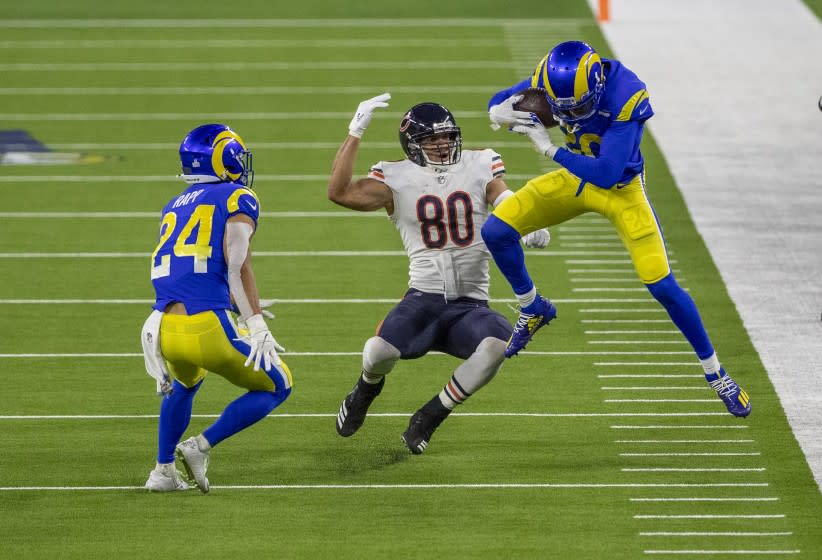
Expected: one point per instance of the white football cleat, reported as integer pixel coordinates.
(160, 481)
(194, 461)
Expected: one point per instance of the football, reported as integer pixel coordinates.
(534, 100)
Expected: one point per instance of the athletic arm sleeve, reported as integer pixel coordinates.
(238, 239)
(607, 168)
(501, 96)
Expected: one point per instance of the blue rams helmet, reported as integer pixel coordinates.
(213, 153)
(573, 76)
(433, 125)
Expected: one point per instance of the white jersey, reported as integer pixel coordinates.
(439, 216)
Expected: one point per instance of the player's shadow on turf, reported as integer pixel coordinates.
(353, 457)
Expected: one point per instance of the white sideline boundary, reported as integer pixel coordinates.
(379, 415)
(422, 486)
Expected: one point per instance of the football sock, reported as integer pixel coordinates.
(711, 366)
(242, 413)
(527, 299)
(371, 379)
(175, 414)
(503, 242)
(168, 469)
(453, 394)
(683, 312)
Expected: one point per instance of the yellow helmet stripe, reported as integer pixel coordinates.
(217, 155)
(631, 104)
(586, 63)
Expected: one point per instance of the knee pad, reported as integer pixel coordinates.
(482, 365)
(378, 356)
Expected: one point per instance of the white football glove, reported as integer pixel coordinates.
(264, 347)
(365, 111)
(504, 114)
(264, 305)
(537, 239)
(539, 136)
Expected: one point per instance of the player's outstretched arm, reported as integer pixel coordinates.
(495, 192)
(362, 194)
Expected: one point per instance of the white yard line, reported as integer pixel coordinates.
(375, 415)
(112, 255)
(236, 23)
(151, 117)
(421, 486)
(301, 354)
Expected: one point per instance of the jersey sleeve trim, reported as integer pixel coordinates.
(630, 105)
(376, 172)
(497, 166)
(236, 204)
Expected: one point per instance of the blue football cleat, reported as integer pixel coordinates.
(531, 319)
(734, 397)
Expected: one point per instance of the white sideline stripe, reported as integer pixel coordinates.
(557, 486)
(107, 255)
(631, 310)
(673, 331)
(684, 441)
(241, 44)
(712, 427)
(237, 66)
(715, 534)
(662, 364)
(572, 261)
(608, 321)
(659, 400)
(259, 145)
(651, 375)
(606, 289)
(704, 499)
(654, 388)
(589, 244)
(754, 454)
(715, 516)
(248, 90)
(274, 301)
(598, 280)
(295, 354)
(601, 270)
(720, 552)
(172, 179)
(156, 215)
(377, 415)
(634, 342)
(698, 469)
(481, 23)
(282, 115)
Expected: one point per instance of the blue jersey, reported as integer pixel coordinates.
(188, 265)
(604, 149)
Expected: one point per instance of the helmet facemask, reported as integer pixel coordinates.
(441, 149)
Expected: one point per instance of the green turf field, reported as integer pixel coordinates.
(601, 441)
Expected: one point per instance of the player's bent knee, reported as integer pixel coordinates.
(379, 356)
(665, 291)
(491, 351)
(496, 233)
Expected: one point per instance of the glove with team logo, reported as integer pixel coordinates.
(539, 136)
(504, 114)
(364, 113)
(264, 347)
(537, 239)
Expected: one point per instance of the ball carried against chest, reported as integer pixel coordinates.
(534, 100)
